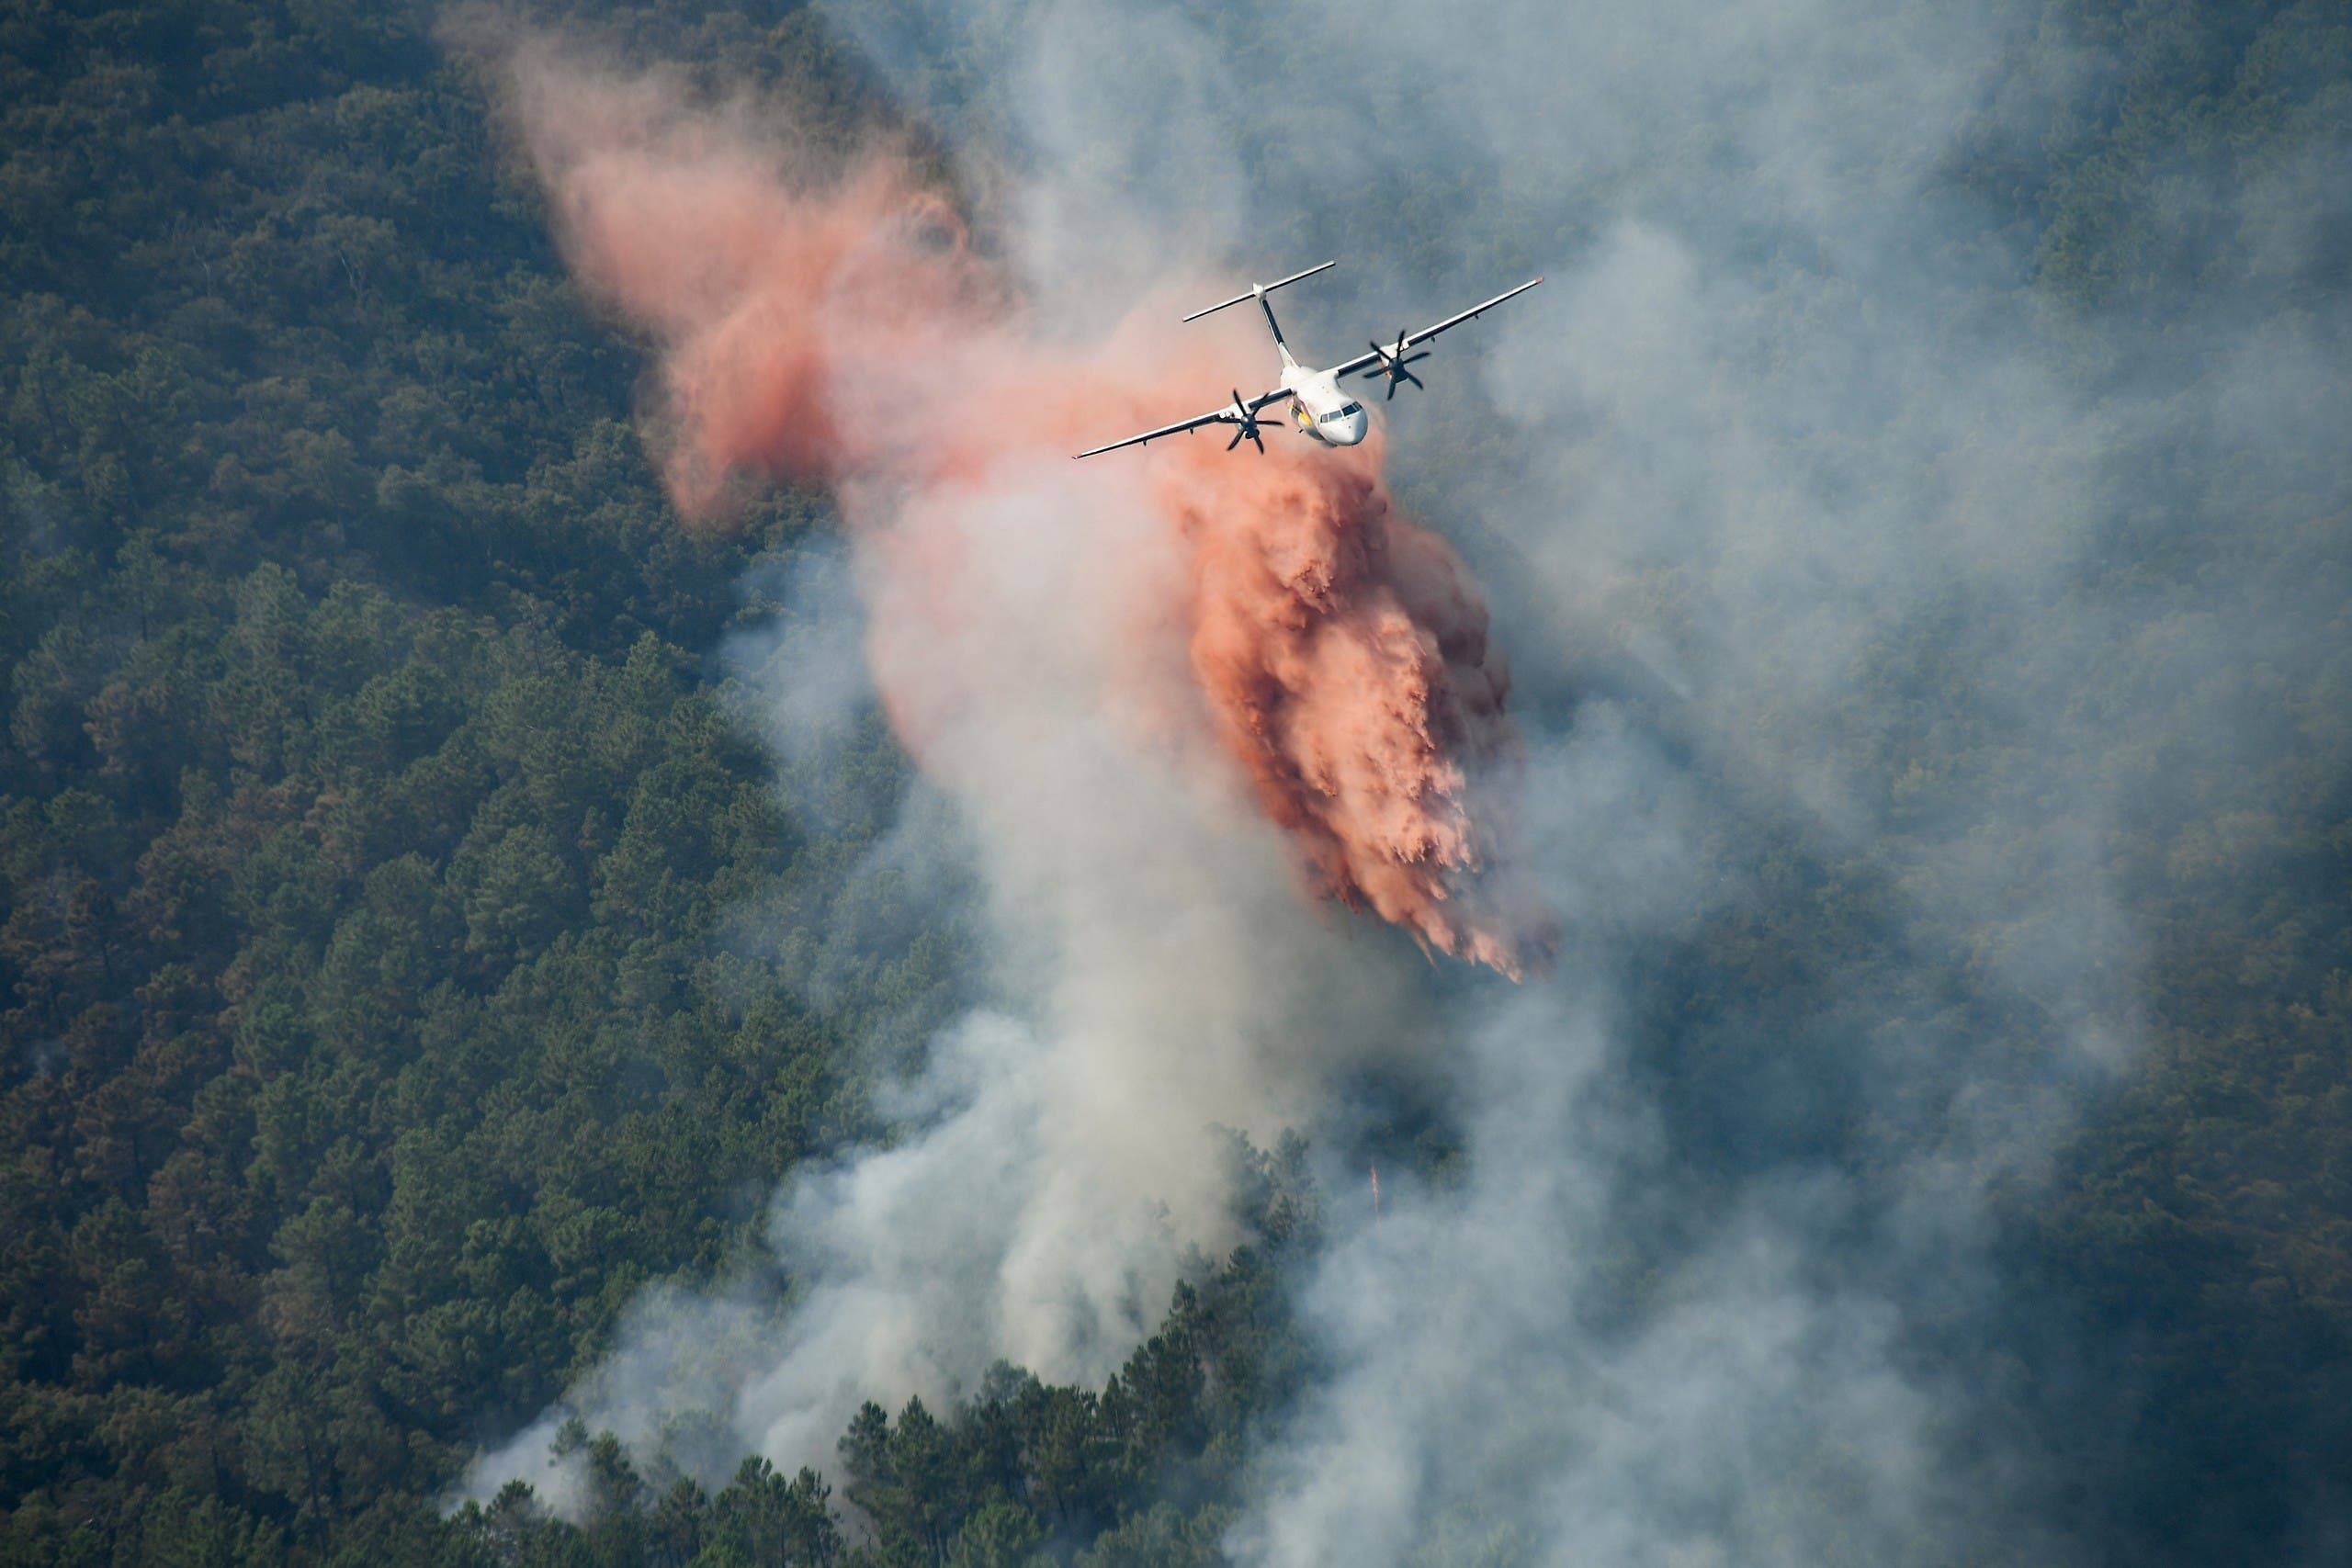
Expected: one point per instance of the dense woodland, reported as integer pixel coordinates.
(371, 813)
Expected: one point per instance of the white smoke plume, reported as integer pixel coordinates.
(1801, 520)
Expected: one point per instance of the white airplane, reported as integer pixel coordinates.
(1319, 410)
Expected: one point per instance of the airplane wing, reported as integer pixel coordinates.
(1225, 415)
(1367, 361)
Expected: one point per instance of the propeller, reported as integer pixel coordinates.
(1247, 421)
(1392, 363)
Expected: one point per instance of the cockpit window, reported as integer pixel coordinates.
(1351, 408)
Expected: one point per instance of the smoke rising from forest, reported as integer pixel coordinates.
(1153, 699)
(1800, 515)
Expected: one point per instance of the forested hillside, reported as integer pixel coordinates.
(371, 812)
(366, 814)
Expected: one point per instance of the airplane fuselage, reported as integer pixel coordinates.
(1321, 410)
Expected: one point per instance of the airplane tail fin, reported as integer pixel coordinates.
(1259, 292)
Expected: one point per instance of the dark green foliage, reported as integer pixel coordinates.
(357, 1102)
(364, 816)
(2197, 155)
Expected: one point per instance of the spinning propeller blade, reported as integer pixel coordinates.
(1247, 422)
(1392, 363)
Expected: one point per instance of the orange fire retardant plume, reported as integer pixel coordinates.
(839, 328)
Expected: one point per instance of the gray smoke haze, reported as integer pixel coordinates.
(1813, 542)
(1158, 983)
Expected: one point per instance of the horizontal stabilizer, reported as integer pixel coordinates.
(1260, 291)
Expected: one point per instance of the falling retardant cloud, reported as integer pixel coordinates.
(836, 324)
